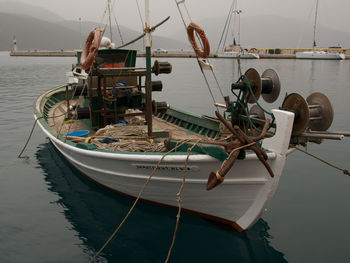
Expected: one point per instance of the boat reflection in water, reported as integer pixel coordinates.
(95, 212)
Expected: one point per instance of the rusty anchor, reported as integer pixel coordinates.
(241, 141)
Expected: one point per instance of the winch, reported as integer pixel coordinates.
(114, 85)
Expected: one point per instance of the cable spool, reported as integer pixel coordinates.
(268, 85)
(271, 85)
(321, 111)
(257, 113)
(316, 112)
(256, 84)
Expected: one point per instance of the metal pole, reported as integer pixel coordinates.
(314, 43)
(148, 41)
(80, 32)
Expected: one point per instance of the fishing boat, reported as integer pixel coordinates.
(106, 124)
(234, 50)
(318, 54)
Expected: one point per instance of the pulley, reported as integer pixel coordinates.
(268, 85)
(316, 112)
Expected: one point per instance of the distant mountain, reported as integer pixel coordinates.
(126, 34)
(34, 33)
(19, 8)
(38, 28)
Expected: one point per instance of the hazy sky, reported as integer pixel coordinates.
(333, 13)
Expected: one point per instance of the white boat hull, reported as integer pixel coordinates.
(235, 55)
(319, 55)
(238, 201)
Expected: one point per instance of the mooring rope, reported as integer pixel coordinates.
(189, 150)
(31, 132)
(324, 161)
(135, 202)
(30, 135)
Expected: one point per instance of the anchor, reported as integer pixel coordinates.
(241, 140)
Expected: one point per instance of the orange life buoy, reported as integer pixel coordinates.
(90, 48)
(203, 53)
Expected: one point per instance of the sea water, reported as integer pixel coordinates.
(50, 213)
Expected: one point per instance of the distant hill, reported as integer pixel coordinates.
(38, 28)
(33, 33)
(126, 34)
(19, 8)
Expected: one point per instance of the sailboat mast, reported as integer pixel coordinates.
(314, 40)
(148, 41)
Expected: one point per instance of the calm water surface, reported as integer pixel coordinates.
(50, 213)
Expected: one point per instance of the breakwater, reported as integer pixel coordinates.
(43, 53)
(264, 53)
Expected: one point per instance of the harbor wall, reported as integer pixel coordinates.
(276, 53)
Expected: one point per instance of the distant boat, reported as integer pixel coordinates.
(318, 54)
(234, 50)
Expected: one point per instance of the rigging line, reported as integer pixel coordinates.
(207, 83)
(217, 83)
(136, 200)
(225, 26)
(188, 14)
(139, 11)
(119, 31)
(141, 36)
(305, 28)
(116, 22)
(205, 78)
(109, 19)
(178, 200)
(142, 22)
(104, 13)
(228, 25)
(181, 15)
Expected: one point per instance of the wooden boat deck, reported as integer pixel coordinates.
(162, 128)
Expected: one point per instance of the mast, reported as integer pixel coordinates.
(314, 40)
(148, 41)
